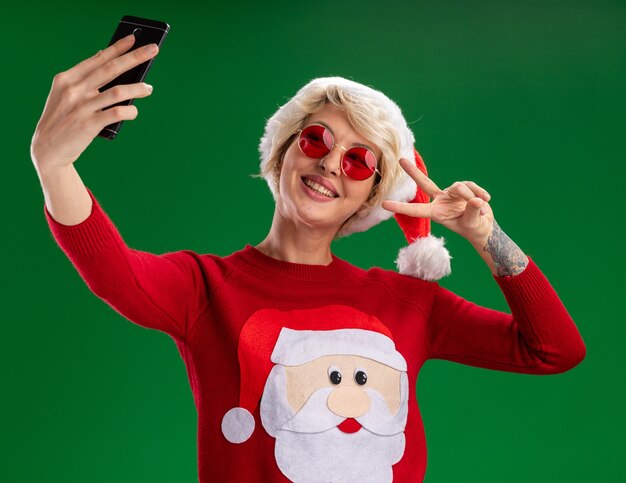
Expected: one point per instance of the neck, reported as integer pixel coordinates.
(297, 243)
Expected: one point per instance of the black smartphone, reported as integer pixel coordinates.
(146, 32)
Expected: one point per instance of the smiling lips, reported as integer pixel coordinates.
(320, 185)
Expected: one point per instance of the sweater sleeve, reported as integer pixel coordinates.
(164, 292)
(538, 337)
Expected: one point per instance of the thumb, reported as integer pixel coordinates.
(471, 217)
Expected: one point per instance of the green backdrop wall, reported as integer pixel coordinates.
(525, 98)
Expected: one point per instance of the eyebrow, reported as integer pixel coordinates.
(355, 144)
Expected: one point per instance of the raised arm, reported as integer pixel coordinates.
(76, 111)
(164, 292)
(538, 337)
(501, 254)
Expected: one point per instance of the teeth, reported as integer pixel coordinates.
(319, 188)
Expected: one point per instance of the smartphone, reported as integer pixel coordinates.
(146, 32)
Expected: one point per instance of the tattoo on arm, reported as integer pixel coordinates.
(507, 256)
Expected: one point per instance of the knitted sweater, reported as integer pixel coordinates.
(202, 301)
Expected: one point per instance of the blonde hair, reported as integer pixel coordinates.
(368, 112)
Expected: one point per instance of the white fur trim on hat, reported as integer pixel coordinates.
(238, 425)
(296, 347)
(425, 258)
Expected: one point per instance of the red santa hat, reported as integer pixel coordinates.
(296, 337)
(425, 257)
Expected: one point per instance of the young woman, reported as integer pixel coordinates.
(303, 367)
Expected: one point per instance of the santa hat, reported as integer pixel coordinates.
(425, 257)
(296, 337)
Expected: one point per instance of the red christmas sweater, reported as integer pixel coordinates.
(366, 329)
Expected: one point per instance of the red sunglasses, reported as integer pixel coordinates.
(316, 141)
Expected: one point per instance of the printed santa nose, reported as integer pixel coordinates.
(349, 402)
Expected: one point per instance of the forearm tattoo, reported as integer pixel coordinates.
(507, 256)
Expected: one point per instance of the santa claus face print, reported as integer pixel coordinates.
(355, 381)
(300, 203)
(336, 418)
(333, 392)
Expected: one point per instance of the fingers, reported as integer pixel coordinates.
(81, 70)
(467, 190)
(460, 190)
(476, 199)
(473, 212)
(477, 190)
(118, 65)
(117, 113)
(117, 94)
(423, 181)
(421, 210)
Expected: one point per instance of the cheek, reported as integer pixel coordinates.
(363, 190)
(301, 384)
(283, 167)
(291, 161)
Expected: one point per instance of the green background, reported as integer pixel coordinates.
(527, 99)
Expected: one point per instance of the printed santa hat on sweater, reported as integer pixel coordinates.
(295, 337)
(425, 257)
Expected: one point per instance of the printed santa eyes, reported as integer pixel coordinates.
(335, 377)
(360, 377)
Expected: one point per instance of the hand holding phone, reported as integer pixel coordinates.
(78, 108)
(146, 32)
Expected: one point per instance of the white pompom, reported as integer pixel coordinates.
(425, 258)
(237, 425)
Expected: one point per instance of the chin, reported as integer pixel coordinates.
(302, 210)
(316, 222)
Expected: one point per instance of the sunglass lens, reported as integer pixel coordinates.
(315, 141)
(359, 163)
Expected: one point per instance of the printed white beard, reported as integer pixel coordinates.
(335, 456)
(311, 449)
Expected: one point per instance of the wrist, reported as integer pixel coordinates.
(480, 243)
(501, 254)
(50, 173)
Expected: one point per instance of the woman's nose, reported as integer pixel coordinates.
(332, 161)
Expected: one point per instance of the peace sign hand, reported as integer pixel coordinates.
(462, 207)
